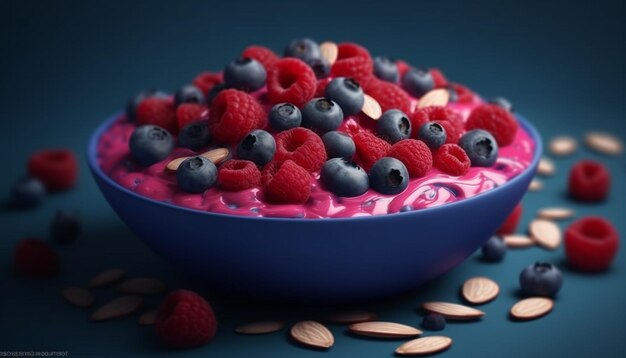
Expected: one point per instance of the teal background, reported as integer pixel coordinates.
(67, 65)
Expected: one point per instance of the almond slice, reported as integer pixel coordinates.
(216, 156)
(546, 167)
(141, 286)
(78, 296)
(425, 345)
(535, 185)
(436, 97)
(531, 308)
(148, 318)
(384, 329)
(329, 51)
(479, 290)
(371, 108)
(350, 317)
(545, 233)
(556, 213)
(518, 241)
(604, 143)
(313, 334)
(107, 277)
(119, 307)
(453, 310)
(563, 146)
(262, 327)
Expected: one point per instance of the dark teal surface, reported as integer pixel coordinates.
(65, 66)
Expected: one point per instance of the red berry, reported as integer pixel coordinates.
(262, 54)
(438, 77)
(291, 80)
(35, 259)
(510, 225)
(185, 319)
(56, 168)
(286, 182)
(389, 95)
(234, 114)
(589, 181)
(451, 159)
(301, 145)
(591, 243)
(463, 94)
(353, 61)
(206, 80)
(236, 175)
(369, 148)
(321, 86)
(190, 112)
(448, 119)
(158, 111)
(403, 68)
(414, 154)
(495, 120)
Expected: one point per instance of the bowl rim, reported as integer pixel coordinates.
(92, 161)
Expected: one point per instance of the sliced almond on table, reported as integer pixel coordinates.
(350, 317)
(535, 185)
(148, 318)
(517, 241)
(78, 296)
(119, 307)
(141, 286)
(563, 146)
(313, 334)
(425, 345)
(384, 329)
(329, 51)
(453, 310)
(479, 290)
(556, 213)
(371, 108)
(531, 308)
(107, 277)
(436, 97)
(261, 327)
(545, 233)
(216, 156)
(546, 167)
(604, 143)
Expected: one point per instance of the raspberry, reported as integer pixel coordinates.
(389, 95)
(234, 114)
(158, 111)
(495, 120)
(369, 148)
(414, 154)
(35, 259)
(451, 159)
(262, 54)
(321, 87)
(56, 168)
(286, 182)
(591, 243)
(353, 61)
(448, 119)
(185, 319)
(510, 225)
(190, 112)
(302, 146)
(589, 181)
(291, 80)
(438, 77)
(403, 68)
(236, 175)
(463, 94)
(206, 80)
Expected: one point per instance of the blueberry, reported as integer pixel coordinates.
(189, 94)
(322, 115)
(502, 102)
(433, 134)
(133, 103)
(389, 176)
(454, 96)
(215, 90)
(417, 82)
(541, 279)
(344, 177)
(195, 135)
(150, 144)
(320, 67)
(304, 49)
(434, 322)
(65, 226)
(245, 74)
(494, 249)
(394, 126)
(257, 146)
(196, 174)
(347, 93)
(386, 69)
(338, 145)
(285, 116)
(480, 147)
(406, 208)
(27, 193)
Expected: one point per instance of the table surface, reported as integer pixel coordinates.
(69, 68)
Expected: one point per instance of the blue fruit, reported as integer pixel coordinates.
(320, 67)
(417, 82)
(304, 49)
(65, 226)
(196, 174)
(27, 193)
(433, 134)
(454, 96)
(215, 90)
(393, 126)
(434, 322)
(257, 146)
(406, 208)
(480, 146)
(502, 102)
(245, 74)
(494, 249)
(386, 70)
(322, 115)
(344, 177)
(285, 116)
(541, 279)
(150, 144)
(389, 176)
(189, 94)
(347, 93)
(133, 103)
(338, 145)
(195, 135)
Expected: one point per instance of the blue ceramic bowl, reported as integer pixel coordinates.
(316, 260)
